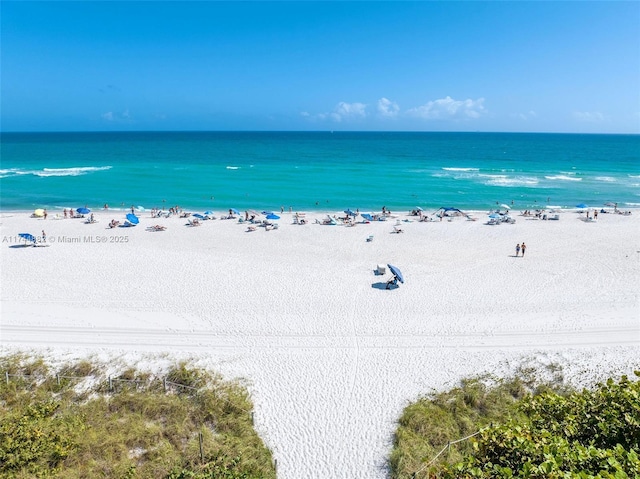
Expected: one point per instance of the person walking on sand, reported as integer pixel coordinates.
(44, 237)
(524, 248)
(518, 250)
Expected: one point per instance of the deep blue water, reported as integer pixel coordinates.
(317, 170)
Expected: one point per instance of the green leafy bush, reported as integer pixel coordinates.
(589, 434)
(130, 432)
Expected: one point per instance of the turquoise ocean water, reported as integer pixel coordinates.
(317, 170)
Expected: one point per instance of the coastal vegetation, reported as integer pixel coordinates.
(516, 428)
(77, 422)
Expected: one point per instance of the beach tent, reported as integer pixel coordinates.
(447, 211)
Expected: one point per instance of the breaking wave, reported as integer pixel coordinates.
(47, 172)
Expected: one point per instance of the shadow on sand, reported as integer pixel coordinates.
(384, 286)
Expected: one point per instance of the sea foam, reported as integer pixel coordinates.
(46, 172)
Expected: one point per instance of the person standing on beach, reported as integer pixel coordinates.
(45, 214)
(518, 250)
(524, 248)
(44, 237)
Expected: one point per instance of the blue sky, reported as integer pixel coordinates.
(412, 66)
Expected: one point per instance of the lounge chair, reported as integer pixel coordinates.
(369, 238)
(397, 229)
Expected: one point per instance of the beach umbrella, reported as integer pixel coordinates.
(28, 237)
(350, 213)
(209, 212)
(418, 208)
(39, 212)
(396, 272)
(267, 213)
(367, 216)
(83, 211)
(199, 216)
(507, 207)
(271, 216)
(494, 216)
(582, 205)
(235, 211)
(133, 219)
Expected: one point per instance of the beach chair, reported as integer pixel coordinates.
(397, 229)
(369, 238)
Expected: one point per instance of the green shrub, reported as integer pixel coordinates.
(130, 432)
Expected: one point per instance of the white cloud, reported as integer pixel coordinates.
(589, 116)
(125, 116)
(448, 108)
(349, 110)
(388, 108)
(342, 111)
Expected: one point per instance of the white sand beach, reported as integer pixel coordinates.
(330, 356)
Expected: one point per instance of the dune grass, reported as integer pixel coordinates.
(521, 429)
(52, 425)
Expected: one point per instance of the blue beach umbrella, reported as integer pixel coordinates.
(199, 216)
(235, 211)
(396, 272)
(271, 216)
(133, 219)
(267, 213)
(582, 205)
(494, 216)
(28, 237)
(83, 211)
(350, 213)
(367, 216)
(208, 212)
